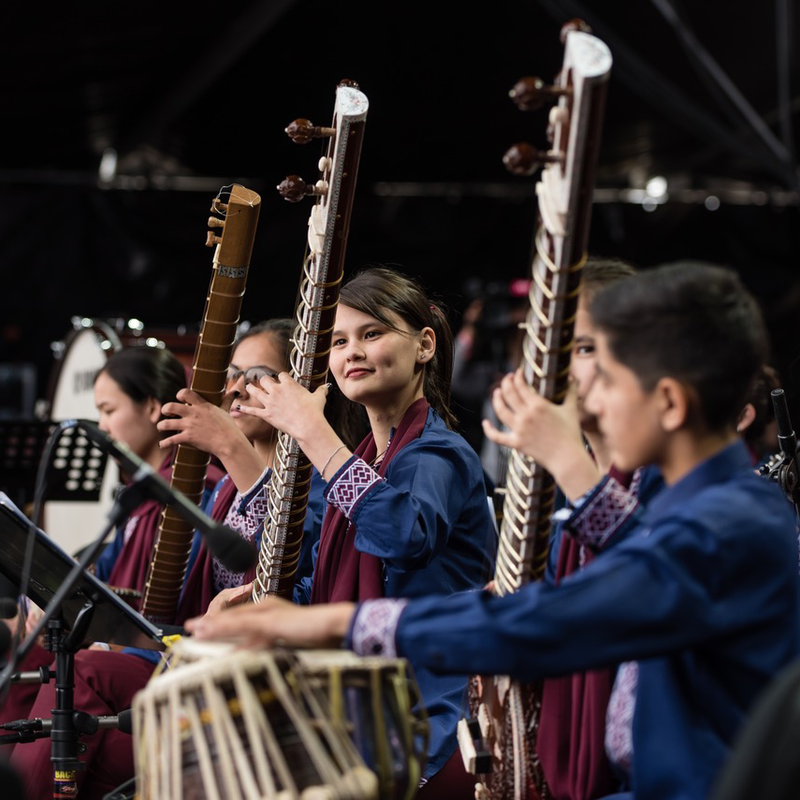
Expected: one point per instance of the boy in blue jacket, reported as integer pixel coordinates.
(698, 594)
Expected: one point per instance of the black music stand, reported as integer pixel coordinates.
(74, 474)
(114, 621)
(22, 443)
(77, 468)
(83, 609)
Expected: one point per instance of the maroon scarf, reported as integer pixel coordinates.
(199, 589)
(572, 727)
(133, 562)
(341, 572)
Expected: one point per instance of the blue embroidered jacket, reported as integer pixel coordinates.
(703, 592)
(429, 522)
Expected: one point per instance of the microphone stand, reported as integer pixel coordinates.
(227, 544)
(64, 733)
(782, 468)
(234, 552)
(64, 745)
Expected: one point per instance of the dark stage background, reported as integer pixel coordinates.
(194, 95)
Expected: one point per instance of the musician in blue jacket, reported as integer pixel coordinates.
(408, 514)
(700, 595)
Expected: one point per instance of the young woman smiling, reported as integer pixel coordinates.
(408, 513)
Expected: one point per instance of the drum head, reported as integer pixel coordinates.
(75, 524)
(84, 354)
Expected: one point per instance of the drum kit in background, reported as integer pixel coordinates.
(311, 725)
(74, 522)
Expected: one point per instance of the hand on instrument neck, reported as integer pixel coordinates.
(198, 423)
(291, 408)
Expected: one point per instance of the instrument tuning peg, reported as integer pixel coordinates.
(294, 188)
(571, 26)
(524, 159)
(302, 131)
(214, 222)
(218, 207)
(530, 94)
(558, 116)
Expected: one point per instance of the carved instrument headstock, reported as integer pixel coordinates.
(233, 229)
(574, 122)
(318, 295)
(337, 169)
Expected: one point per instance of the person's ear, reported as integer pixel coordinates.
(746, 418)
(153, 409)
(674, 403)
(426, 345)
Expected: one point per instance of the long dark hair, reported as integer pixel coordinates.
(145, 372)
(380, 293)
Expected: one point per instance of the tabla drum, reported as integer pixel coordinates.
(377, 701)
(225, 723)
(73, 524)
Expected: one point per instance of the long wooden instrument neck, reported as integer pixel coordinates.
(564, 194)
(323, 269)
(209, 371)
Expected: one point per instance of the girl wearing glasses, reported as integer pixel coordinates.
(245, 445)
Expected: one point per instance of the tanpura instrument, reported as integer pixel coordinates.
(499, 742)
(233, 230)
(318, 295)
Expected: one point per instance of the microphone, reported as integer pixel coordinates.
(235, 553)
(84, 723)
(787, 440)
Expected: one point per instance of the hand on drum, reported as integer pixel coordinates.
(277, 623)
(198, 423)
(288, 406)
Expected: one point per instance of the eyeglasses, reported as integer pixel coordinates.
(252, 375)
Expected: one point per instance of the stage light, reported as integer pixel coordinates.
(657, 187)
(108, 165)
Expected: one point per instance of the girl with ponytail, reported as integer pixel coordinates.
(407, 511)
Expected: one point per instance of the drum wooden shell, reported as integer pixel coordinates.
(241, 724)
(377, 701)
(227, 723)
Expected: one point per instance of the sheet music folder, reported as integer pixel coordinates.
(114, 621)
